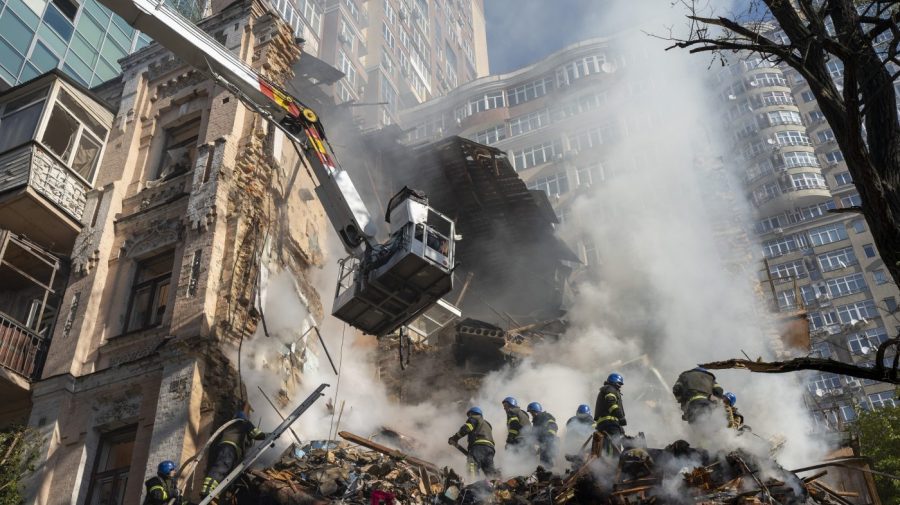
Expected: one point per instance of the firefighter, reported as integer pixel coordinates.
(735, 418)
(480, 443)
(545, 428)
(229, 450)
(162, 488)
(694, 390)
(578, 428)
(517, 422)
(609, 413)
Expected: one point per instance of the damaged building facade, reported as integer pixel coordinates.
(135, 219)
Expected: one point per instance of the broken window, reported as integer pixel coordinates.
(74, 136)
(150, 292)
(180, 150)
(111, 467)
(19, 119)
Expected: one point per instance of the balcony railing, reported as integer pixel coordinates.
(32, 165)
(21, 350)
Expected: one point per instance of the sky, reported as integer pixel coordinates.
(520, 32)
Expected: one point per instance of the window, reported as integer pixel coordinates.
(347, 68)
(816, 116)
(835, 68)
(150, 292)
(579, 68)
(853, 312)
(820, 350)
(852, 200)
(586, 139)
(880, 276)
(388, 36)
(790, 270)
(847, 285)
(488, 101)
(792, 138)
(807, 96)
(807, 180)
(827, 234)
(784, 117)
(490, 135)
(843, 178)
(823, 382)
(833, 260)
(554, 184)
(528, 122)
(869, 250)
(111, 467)
(883, 399)
(768, 79)
(529, 91)
(867, 341)
(834, 157)
(180, 150)
(19, 118)
(890, 303)
(776, 98)
(821, 319)
(858, 225)
(585, 174)
(782, 245)
(536, 155)
(848, 413)
(787, 300)
(767, 224)
(74, 136)
(799, 159)
(811, 212)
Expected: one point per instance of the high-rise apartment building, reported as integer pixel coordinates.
(818, 259)
(399, 53)
(546, 116)
(83, 39)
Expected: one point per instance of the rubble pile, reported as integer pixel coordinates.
(359, 471)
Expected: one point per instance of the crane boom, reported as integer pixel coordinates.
(339, 196)
(381, 286)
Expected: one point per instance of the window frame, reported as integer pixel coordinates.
(54, 99)
(154, 283)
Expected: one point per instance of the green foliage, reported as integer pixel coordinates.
(18, 453)
(879, 439)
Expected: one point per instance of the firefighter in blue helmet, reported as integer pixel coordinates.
(229, 450)
(544, 428)
(517, 422)
(610, 411)
(162, 488)
(480, 440)
(578, 428)
(695, 390)
(735, 418)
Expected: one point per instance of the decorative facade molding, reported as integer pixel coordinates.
(155, 235)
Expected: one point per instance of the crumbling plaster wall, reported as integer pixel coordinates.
(246, 189)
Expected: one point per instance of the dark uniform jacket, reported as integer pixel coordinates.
(478, 431)
(241, 436)
(584, 419)
(544, 426)
(695, 385)
(160, 491)
(516, 423)
(609, 406)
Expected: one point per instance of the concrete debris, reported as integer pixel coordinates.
(360, 471)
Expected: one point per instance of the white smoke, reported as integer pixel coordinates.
(661, 301)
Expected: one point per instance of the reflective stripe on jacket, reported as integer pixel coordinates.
(478, 431)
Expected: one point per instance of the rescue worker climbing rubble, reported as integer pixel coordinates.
(229, 450)
(609, 412)
(694, 390)
(735, 418)
(544, 428)
(578, 428)
(517, 422)
(162, 488)
(480, 440)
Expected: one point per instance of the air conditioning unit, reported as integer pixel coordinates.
(778, 231)
(753, 83)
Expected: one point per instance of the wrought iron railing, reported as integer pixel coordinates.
(21, 350)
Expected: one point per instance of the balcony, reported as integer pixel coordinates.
(31, 282)
(52, 134)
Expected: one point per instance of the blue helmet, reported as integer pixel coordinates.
(510, 400)
(240, 414)
(732, 399)
(700, 369)
(583, 409)
(166, 467)
(473, 411)
(535, 407)
(616, 379)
